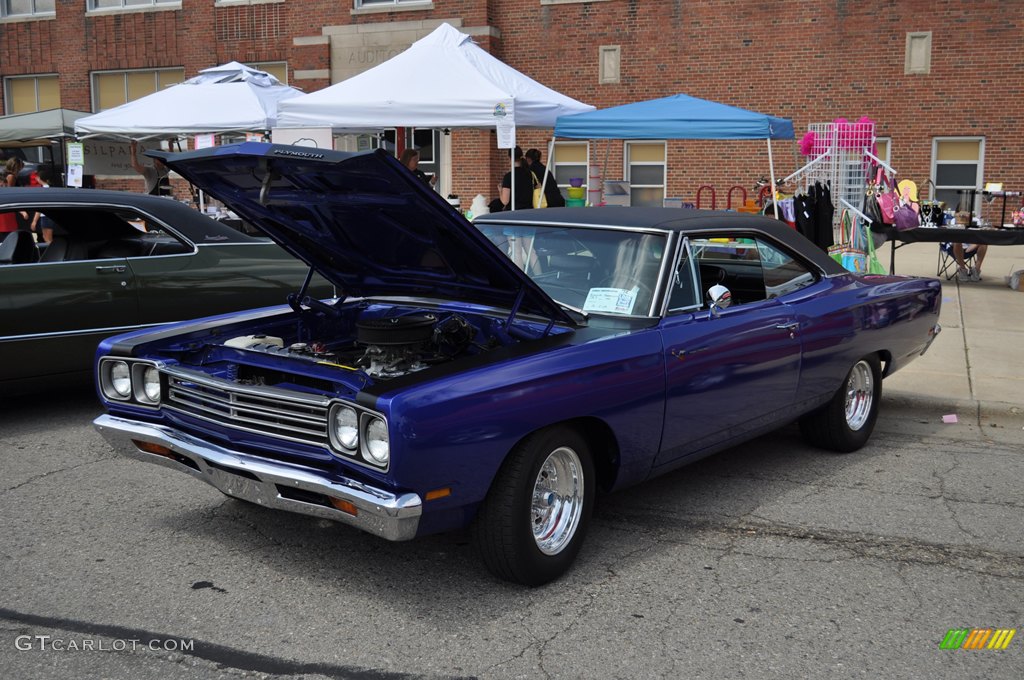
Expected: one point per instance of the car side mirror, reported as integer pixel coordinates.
(719, 297)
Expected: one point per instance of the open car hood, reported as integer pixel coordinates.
(364, 222)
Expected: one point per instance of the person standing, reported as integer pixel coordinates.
(524, 184)
(551, 191)
(157, 182)
(13, 166)
(411, 159)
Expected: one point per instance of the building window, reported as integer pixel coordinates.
(128, 4)
(645, 171)
(609, 58)
(957, 163)
(918, 58)
(278, 69)
(113, 88)
(25, 94)
(27, 8)
(883, 149)
(570, 162)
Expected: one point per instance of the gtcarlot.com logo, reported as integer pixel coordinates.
(977, 638)
(45, 643)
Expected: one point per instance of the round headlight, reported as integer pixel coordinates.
(151, 384)
(378, 449)
(346, 427)
(120, 379)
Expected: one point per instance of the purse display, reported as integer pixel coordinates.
(851, 251)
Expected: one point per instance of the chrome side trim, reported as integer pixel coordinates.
(382, 513)
(113, 330)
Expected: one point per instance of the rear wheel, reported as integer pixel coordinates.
(845, 423)
(533, 520)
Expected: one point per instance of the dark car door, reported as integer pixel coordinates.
(216, 279)
(731, 371)
(53, 314)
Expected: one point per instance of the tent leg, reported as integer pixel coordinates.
(512, 180)
(544, 181)
(771, 172)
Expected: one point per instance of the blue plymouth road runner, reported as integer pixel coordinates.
(498, 374)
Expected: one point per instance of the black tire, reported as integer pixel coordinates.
(845, 423)
(504, 529)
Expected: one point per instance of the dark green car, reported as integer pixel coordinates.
(120, 261)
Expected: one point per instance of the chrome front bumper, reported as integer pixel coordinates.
(261, 481)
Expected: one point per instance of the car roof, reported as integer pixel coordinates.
(189, 222)
(688, 222)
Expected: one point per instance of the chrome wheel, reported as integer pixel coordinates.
(557, 500)
(860, 394)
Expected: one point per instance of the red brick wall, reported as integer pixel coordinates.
(811, 62)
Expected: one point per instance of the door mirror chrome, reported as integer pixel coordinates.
(719, 297)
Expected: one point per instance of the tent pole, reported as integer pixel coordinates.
(544, 181)
(512, 179)
(771, 172)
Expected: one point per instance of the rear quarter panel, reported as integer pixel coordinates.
(859, 315)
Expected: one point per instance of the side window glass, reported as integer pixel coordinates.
(782, 274)
(752, 269)
(732, 261)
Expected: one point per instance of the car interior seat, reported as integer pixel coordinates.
(18, 247)
(62, 249)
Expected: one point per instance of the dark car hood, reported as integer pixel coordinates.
(364, 222)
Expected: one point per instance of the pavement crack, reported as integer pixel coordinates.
(69, 468)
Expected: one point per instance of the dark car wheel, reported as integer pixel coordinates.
(533, 520)
(846, 422)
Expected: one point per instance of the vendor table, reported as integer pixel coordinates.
(992, 237)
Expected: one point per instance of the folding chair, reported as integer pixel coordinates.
(947, 263)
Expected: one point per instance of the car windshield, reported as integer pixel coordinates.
(599, 271)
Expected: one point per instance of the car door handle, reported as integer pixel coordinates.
(791, 327)
(112, 269)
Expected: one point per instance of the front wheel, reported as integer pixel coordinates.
(845, 423)
(532, 523)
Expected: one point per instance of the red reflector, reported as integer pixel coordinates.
(344, 506)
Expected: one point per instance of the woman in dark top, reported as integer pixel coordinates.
(524, 184)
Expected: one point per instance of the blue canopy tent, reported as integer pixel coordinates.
(677, 117)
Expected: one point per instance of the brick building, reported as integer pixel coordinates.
(942, 79)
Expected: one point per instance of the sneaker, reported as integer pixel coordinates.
(975, 275)
(963, 275)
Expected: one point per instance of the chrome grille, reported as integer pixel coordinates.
(269, 411)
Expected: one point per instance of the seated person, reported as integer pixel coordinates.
(963, 272)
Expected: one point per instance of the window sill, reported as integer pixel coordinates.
(383, 9)
(108, 11)
(20, 18)
(568, 2)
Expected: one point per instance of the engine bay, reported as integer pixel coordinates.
(380, 341)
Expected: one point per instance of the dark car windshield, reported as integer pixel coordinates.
(601, 271)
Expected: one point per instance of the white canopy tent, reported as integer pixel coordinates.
(443, 80)
(228, 98)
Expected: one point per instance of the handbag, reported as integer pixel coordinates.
(906, 217)
(870, 207)
(886, 197)
(874, 265)
(539, 199)
(849, 252)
